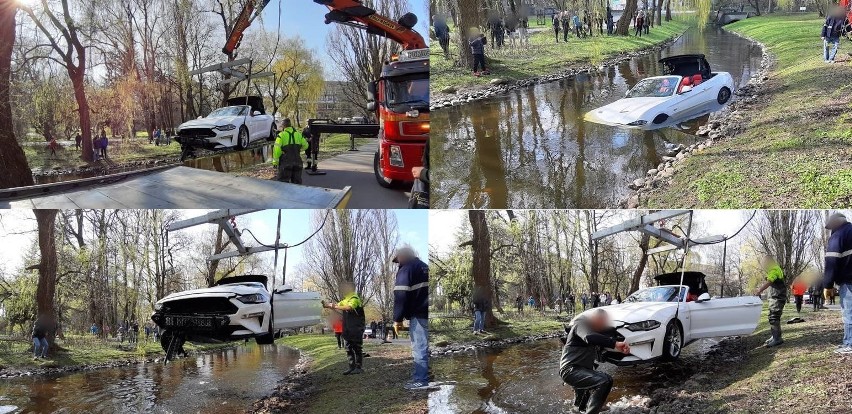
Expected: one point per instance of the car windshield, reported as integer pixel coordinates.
(229, 111)
(654, 87)
(408, 91)
(656, 294)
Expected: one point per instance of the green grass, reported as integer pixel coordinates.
(542, 57)
(378, 389)
(84, 350)
(118, 151)
(796, 143)
(454, 330)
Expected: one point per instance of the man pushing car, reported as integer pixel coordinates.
(577, 365)
(354, 322)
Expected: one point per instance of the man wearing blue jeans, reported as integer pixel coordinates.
(411, 301)
(480, 306)
(40, 344)
(838, 270)
(831, 33)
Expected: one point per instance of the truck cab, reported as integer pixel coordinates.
(400, 98)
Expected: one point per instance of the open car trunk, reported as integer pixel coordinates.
(687, 65)
(255, 102)
(694, 280)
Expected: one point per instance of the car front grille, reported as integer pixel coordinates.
(207, 306)
(196, 133)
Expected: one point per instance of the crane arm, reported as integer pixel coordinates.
(348, 12)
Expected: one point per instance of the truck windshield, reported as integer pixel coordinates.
(408, 91)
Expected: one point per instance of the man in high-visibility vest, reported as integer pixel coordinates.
(777, 297)
(287, 154)
(352, 310)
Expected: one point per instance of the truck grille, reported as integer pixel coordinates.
(196, 133)
(208, 306)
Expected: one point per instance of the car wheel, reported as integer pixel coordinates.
(724, 95)
(380, 178)
(673, 341)
(659, 119)
(271, 133)
(243, 138)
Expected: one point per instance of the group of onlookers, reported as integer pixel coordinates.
(568, 22)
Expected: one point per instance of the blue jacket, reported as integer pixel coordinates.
(838, 257)
(411, 293)
(832, 27)
(442, 31)
(477, 45)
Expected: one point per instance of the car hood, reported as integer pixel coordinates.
(636, 312)
(210, 122)
(224, 290)
(624, 110)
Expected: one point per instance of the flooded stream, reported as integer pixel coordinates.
(225, 381)
(525, 379)
(530, 148)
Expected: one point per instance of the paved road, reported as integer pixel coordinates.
(355, 169)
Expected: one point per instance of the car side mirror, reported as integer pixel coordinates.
(685, 89)
(704, 297)
(255, 113)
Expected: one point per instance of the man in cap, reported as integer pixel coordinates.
(838, 271)
(411, 301)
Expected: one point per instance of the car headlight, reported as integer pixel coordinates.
(395, 156)
(225, 127)
(637, 123)
(649, 325)
(252, 298)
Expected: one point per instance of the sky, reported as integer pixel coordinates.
(17, 228)
(306, 19)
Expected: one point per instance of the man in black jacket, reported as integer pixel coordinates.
(838, 271)
(831, 33)
(577, 365)
(411, 301)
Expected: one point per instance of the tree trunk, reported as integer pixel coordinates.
(78, 82)
(16, 171)
(659, 11)
(643, 261)
(46, 289)
(622, 27)
(468, 18)
(482, 261)
(668, 10)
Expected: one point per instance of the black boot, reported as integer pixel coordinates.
(776, 335)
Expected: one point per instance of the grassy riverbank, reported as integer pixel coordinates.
(543, 56)
(119, 151)
(792, 148)
(377, 390)
(458, 330)
(802, 375)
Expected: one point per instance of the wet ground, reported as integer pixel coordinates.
(530, 148)
(525, 379)
(225, 381)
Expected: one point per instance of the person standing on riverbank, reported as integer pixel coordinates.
(838, 271)
(411, 301)
(477, 42)
(777, 297)
(480, 306)
(556, 23)
(351, 310)
(442, 32)
(798, 289)
(577, 363)
(638, 23)
(831, 33)
(40, 344)
(337, 327)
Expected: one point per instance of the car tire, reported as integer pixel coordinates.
(724, 95)
(673, 341)
(271, 133)
(377, 170)
(242, 138)
(659, 119)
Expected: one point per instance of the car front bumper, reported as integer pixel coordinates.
(247, 321)
(218, 140)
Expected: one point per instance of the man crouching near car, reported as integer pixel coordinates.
(577, 365)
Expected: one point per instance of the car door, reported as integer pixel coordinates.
(295, 309)
(691, 103)
(724, 316)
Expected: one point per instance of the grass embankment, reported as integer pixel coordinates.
(794, 149)
(119, 151)
(78, 351)
(802, 375)
(377, 390)
(459, 329)
(331, 145)
(543, 56)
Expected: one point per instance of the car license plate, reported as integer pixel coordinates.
(189, 321)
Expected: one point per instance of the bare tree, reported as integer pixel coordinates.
(787, 236)
(16, 170)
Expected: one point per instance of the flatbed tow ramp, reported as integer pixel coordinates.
(173, 187)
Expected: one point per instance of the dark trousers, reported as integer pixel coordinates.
(591, 388)
(290, 173)
(565, 33)
(478, 62)
(445, 44)
(354, 351)
(339, 339)
(799, 299)
(556, 30)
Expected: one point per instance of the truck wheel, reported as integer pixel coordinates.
(242, 138)
(377, 169)
(673, 341)
(724, 95)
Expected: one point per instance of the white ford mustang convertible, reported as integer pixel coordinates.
(688, 89)
(244, 120)
(657, 322)
(237, 307)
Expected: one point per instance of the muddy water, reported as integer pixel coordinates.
(525, 379)
(530, 148)
(226, 381)
(224, 161)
